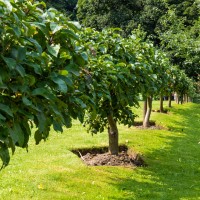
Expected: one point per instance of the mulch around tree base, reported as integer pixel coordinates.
(164, 111)
(152, 125)
(100, 156)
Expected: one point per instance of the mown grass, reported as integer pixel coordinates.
(51, 171)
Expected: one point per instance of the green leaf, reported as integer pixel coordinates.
(73, 69)
(21, 70)
(1, 81)
(69, 81)
(38, 137)
(61, 84)
(54, 26)
(74, 23)
(19, 53)
(63, 72)
(36, 67)
(6, 109)
(81, 59)
(17, 134)
(70, 34)
(17, 31)
(42, 120)
(66, 55)
(26, 101)
(31, 79)
(84, 56)
(41, 26)
(11, 63)
(2, 117)
(53, 49)
(36, 44)
(81, 103)
(4, 155)
(57, 126)
(11, 145)
(43, 92)
(154, 76)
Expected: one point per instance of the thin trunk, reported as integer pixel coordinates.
(113, 136)
(181, 98)
(170, 101)
(187, 98)
(161, 104)
(148, 113)
(145, 108)
(177, 101)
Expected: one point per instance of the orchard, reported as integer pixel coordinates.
(53, 71)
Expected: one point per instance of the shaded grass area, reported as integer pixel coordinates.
(51, 171)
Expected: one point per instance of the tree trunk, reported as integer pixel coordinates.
(178, 98)
(161, 104)
(185, 98)
(170, 101)
(113, 136)
(148, 113)
(145, 108)
(181, 98)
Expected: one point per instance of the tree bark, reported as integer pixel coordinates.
(181, 98)
(148, 113)
(145, 108)
(177, 98)
(170, 101)
(113, 136)
(187, 97)
(161, 104)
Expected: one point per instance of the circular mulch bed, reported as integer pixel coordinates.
(100, 156)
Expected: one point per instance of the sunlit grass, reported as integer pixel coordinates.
(50, 171)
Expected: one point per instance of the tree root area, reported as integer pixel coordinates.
(164, 111)
(152, 125)
(100, 156)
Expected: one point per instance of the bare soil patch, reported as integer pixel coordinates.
(100, 156)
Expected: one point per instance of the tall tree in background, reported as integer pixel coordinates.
(126, 14)
(66, 6)
(172, 25)
(181, 41)
(100, 14)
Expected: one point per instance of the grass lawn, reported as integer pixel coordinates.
(50, 171)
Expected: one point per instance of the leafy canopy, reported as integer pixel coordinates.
(39, 62)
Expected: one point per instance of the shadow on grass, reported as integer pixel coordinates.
(173, 172)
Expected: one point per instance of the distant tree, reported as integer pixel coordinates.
(101, 14)
(181, 42)
(66, 6)
(172, 25)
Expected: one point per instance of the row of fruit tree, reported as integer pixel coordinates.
(53, 71)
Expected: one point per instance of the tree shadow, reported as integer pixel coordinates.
(173, 172)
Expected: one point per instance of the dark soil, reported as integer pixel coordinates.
(164, 111)
(100, 156)
(140, 123)
(152, 125)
